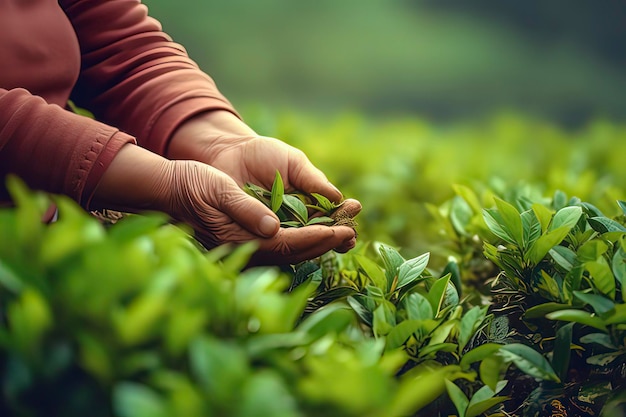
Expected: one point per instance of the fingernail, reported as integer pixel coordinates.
(268, 226)
(335, 188)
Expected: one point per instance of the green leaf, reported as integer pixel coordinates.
(592, 250)
(562, 350)
(330, 319)
(567, 217)
(478, 354)
(494, 220)
(384, 318)
(436, 294)
(602, 339)
(512, 221)
(601, 305)
(564, 257)
(622, 205)
(392, 261)
(265, 394)
(411, 270)
(418, 307)
(320, 220)
(373, 271)
(460, 215)
(604, 359)
(470, 321)
(547, 241)
(484, 399)
(131, 399)
(529, 361)
(605, 225)
(458, 398)
(324, 203)
(531, 228)
(578, 316)
(539, 311)
(602, 277)
(278, 191)
(296, 207)
(359, 305)
(469, 196)
(543, 214)
(401, 333)
(618, 265)
(490, 370)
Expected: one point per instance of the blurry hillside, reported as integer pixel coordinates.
(562, 60)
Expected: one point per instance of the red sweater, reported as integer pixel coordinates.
(107, 56)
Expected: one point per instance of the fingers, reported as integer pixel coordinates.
(304, 176)
(293, 245)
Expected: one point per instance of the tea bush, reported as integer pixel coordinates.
(488, 279)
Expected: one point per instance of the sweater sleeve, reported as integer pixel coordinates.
(133, 75)
(52, 149)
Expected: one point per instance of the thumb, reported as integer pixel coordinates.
(248, 212)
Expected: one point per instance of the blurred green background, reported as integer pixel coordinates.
(441, 59)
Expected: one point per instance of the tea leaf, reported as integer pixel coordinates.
(437, 292)
(592, 250)
(131, 399)
(622, 205)
(604, 359)
(384, 318)
(562, 350)
(469, 196)
(359, 305)
(401, 333)
(547, 241)
(602, 277)
(618, 265)
(373, 271)
(539, 311)
(320, 220)
(324, 202)
(578, 316)
(494, 222)
(566, 217)
(605, 225)
(484, 399)
(410, 271)
(278, 191)
(296, 207)
(392, 261)
(602, 339)
(529, 361)
(531, 228)
(418, 307)
(564, 257)
(470, 321)
(490, 369)
(457, 396)
(543, 214)
(478, 354)
(512, 221)
(601, 305)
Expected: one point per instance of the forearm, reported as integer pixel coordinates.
(136, 179)
(195, 134)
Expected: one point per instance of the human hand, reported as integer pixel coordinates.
(221, 212)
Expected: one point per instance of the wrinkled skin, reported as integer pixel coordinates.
(215, 206)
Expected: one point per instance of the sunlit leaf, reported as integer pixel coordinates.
(566, 217)
(296, 207)
(410, 270)
(602, 277)
(278, 191)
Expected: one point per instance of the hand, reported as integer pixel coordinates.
(220, 212)
(214, 205)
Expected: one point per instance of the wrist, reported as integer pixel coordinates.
(194, 136)
(136, 179)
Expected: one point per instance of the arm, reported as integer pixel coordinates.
(133, 76)
(52, 149)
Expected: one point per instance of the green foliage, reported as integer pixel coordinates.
(137, 320)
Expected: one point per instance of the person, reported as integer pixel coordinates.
(163, 137)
